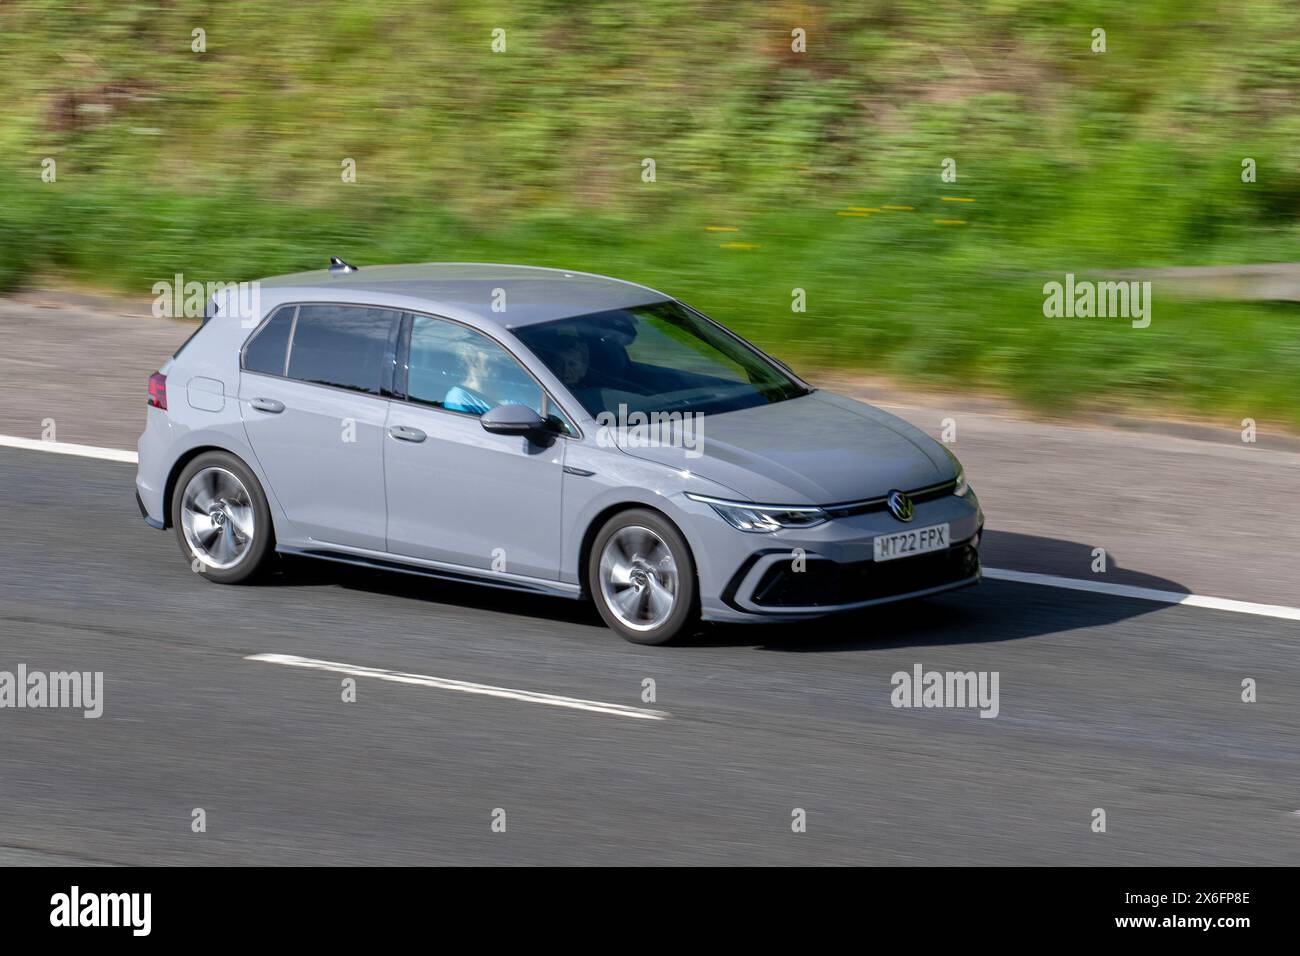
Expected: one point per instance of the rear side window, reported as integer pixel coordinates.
(341, 345)
(266, 351)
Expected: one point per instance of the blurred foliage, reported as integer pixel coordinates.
(226, 165)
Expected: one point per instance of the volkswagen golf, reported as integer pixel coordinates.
(553, 432)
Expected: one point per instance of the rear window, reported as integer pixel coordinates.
(266, 352)
(341, 345)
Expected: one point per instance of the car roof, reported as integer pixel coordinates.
(532, 294)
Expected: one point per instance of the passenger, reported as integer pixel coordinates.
(465, 397)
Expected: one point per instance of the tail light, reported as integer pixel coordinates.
(158, 390)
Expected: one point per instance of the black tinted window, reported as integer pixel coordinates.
(341, 345)
(265, 353)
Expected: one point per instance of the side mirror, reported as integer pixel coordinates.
(514, 420)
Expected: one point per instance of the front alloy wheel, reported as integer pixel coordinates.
(642, 577)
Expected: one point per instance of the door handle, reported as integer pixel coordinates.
(268, 405)
(406, 433)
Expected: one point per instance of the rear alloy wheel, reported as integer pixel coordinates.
(221, 518)
(642, 578)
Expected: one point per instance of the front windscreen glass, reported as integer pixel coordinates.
(656, 358)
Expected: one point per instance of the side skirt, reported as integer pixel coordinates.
(461, 575)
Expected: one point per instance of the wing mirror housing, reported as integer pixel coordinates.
(516, 420)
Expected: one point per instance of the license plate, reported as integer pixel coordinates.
(904, 544)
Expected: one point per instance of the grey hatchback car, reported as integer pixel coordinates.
(553, 432)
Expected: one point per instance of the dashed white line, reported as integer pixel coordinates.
(464, 687)
(998, 574)
(66, 448)
(1146, 594)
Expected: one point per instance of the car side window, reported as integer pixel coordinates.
(266, 351)
(341, 345)
(460, 370)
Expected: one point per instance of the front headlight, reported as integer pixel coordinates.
(762, 519)
(961, 487)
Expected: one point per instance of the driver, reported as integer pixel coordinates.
(572, 360)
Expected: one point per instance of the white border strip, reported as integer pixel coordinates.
(465, 687)
(64, 448)
(1146, 594)
(998, 574)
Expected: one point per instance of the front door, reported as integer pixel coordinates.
(456, 493)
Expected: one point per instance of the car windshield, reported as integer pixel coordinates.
(656, 358)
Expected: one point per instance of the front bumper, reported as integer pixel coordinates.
(801, 573)
(778, 583)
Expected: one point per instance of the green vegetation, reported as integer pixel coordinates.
(227, 165)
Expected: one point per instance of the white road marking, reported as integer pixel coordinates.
(465, 687)
(1146, 594)
(65, 448)
(998, 574)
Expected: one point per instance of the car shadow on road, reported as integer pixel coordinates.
(309, 572)
(995, 610)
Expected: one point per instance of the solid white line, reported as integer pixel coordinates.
(465, 687)
(1146, 594)
(999, 574)
(65, 448)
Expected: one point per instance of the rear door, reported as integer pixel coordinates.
(456, 493)
(313, 394)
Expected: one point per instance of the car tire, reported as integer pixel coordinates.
(222, 520)
(642, 578)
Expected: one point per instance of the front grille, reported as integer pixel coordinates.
(825, 583)
(867, 506)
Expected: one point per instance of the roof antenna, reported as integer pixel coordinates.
(340, 268)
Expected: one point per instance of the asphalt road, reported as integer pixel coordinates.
(1125, 705)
